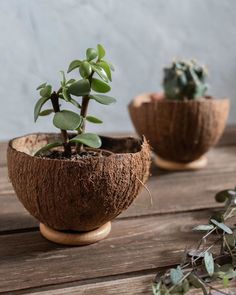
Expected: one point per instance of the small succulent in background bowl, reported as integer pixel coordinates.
(182, 123)
(185, 81)
(74, 180)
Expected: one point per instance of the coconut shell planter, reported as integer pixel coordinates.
(76, 182)
(180, 128)
(77, 195)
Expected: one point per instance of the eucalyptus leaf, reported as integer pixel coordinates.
(230, 240)
(103, 99)
(93, 119)
(91, 54)
(222, 226)
(176, 275)
(100, 86)
(38, 107)
(103, 64)
(101, 73)
(46, 91)
(79, 88)
(73, 65)
(67, 120)
(209, 263)
(85, 69)
(89, 139)
(222, 196)
(197, 283)
(203, 227)
(48, 147)
(41, 86)
(101, 51)
(46, 112)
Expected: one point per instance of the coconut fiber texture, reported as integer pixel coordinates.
(180, 131)
(81, 194)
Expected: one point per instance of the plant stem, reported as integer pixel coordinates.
(83, 113)
(55, 104)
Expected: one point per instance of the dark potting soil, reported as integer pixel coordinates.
(60, 155)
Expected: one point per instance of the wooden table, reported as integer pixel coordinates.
(150, 235)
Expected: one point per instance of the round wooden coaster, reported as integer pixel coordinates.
(75, 239)
(173, 166)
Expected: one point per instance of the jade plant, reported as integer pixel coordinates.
(93, 81)
(185, 80)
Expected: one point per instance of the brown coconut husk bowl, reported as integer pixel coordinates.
(179, 131)
(78, 195)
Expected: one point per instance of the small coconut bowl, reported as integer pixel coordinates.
(79, 196)
(180, 132)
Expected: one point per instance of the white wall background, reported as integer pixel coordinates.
(38, 38)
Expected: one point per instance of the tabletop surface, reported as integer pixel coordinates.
(152, 234)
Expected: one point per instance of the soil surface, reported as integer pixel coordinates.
(87, 153)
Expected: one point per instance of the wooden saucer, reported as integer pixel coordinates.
(77, 238)
(175, 166)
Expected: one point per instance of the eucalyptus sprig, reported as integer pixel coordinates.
(94, 75)
(213, 259)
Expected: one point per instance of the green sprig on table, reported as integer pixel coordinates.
(213, 259)
(95, 74)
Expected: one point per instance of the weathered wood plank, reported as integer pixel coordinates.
(132, 285)
(170, 192)
(27, 260)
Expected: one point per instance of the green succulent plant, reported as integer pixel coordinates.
(185, 80)
(93, 81)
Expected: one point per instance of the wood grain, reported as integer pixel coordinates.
(133, 245)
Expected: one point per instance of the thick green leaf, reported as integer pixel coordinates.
(93, 119)
(41, 86)
(79, 88)
(63, 82)
(110, 65)
(101, 51)
(38, 107)
(209, 263)
(101, 73)
(204, 227)
(67, 120)
(176, 275)
(48, 147)
(65, 94)
(70, 81)
(103, 99)
(75, 103)
(222, 226)
(73, 65)
(91, 54)
(103, 64)
(46, 112)
(85, 69)
(46, 91)
(89, 139)
(100, 86)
